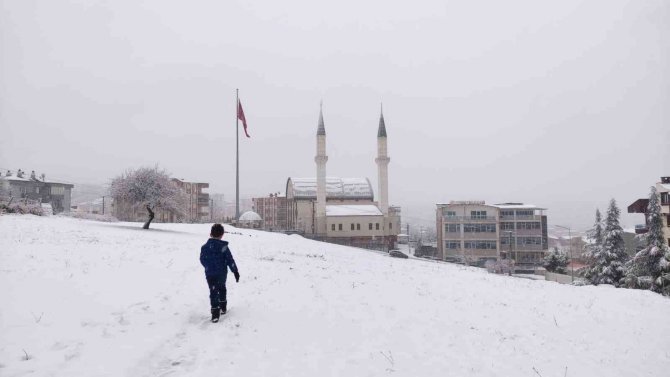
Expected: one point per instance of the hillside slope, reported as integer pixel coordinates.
(85, 298)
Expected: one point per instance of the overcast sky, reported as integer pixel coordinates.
(563, 104)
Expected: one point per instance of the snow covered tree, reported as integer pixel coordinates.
(606, 253)
(556, 261)
(650, 267)
(149, 188)
(612, 258)
(593, 248)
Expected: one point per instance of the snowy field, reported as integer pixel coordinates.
(81, 298)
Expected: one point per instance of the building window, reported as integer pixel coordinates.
(377, 226)
(478, 214)
(57, 190)
(452, 228)
(450, 214)
(358, 226)
(339, 226)
(529, 240)
(507, 226)
(332, 227)
(352, 227)
(479, 228)
(370, 226)
(525, 213)
(528, 225)
(452, 245)
(506, 213)
(481, 245)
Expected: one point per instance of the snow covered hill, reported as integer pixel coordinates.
(81, 298)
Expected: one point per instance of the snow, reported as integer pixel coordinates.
(517, 206)
(665, 186)
(335, 188)
(110, 299)
(353, 210)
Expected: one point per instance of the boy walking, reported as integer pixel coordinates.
(216, 257)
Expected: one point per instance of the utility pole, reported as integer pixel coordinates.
(211, 209)
(572, 266)
(409, 247)
(103, 204)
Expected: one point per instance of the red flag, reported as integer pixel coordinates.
(240, 116)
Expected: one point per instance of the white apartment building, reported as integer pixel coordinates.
(473, 232)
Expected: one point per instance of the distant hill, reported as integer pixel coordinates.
(84, 192)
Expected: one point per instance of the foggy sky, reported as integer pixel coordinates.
(561, 104)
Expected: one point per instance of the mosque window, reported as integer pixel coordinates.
(377, 226)
(332, 227)
(339, 226)
(370, 226)
(352, 227)
(358, 226)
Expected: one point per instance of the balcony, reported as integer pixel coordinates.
(641, 229)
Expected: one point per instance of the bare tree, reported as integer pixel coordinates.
(149, 188)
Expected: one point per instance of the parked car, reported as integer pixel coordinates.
(397, 254)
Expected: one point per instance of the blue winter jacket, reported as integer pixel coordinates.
(215, 256)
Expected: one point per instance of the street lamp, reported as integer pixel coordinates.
(572, 266)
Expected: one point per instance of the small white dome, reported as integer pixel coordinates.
(250, 216)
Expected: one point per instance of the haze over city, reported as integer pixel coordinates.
(563, 104)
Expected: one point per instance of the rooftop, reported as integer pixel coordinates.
(336, 188)
(353, 210)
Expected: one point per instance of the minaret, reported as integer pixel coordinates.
(382, 161)
(320, 159)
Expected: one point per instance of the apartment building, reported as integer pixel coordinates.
(473, 232)
(273, 210)
(198, 205)
(640, 206)
(22, 185)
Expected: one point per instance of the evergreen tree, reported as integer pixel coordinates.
(556, 261)
(593, 249)
(612, 257)
(651, 265)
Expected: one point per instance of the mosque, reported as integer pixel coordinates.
(343, 210)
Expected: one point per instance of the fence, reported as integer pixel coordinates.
(559, 278)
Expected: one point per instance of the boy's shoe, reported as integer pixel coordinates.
(216, 313)
(223, 307)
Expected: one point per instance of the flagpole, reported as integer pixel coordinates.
(237, 151)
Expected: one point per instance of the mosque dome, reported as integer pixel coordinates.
(250, 216)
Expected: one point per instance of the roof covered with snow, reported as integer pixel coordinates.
(353, 210)
(14, 178)
(336, 188)
(665, 186)
(517, 206)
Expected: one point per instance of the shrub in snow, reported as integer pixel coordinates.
(649, 267)
(149, 188)
(556, 261)
(22, 207)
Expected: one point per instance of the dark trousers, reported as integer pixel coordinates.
(217, 290)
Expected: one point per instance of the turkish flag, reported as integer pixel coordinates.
(240, 116)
